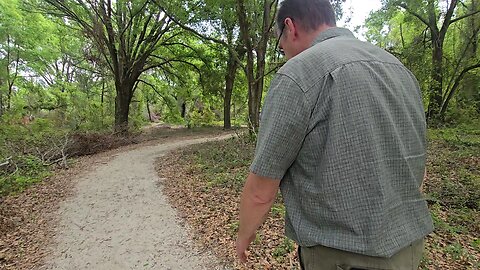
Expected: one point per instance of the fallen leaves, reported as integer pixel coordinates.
(211, 210)
(210, 206)
(26, 218)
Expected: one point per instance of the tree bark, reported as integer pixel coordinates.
(102, 101)
(122, 106)
(183, 112)
(1, 102)
(229, 82)
(436, 86)
(149, 111)
(255, 74)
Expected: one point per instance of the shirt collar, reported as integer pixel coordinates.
(332, 33)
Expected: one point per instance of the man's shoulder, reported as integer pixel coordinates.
(305, 69)
(315, 64)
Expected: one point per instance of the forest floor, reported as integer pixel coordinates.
(113, 210)
(105, 212)
(204, 183)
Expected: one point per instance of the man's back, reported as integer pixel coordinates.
(354, 182)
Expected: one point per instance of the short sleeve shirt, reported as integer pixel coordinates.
(343, 129)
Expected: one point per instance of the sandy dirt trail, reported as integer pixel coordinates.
(119, 219)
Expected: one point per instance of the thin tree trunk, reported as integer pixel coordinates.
(8, 73)
(149, 112)
(436, 86)
(102, 102)
(261, 53)
(229, 82)
(1, 102)
(255, 77)
(259, 82)
(183, 112)
(12, 82)
(455, 87)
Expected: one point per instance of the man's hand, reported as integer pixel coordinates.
(257, 198)
(241, 246)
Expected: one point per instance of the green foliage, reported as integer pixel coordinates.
(405, 29)
(22, 148)
(283, 249)
(204, 118)
(459, 185)
(30, 171)
(278, 209)
(455, 250)
(226, 163)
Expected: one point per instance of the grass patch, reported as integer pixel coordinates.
(224, 164)
(31, 171)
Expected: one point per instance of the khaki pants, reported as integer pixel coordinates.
(324, 258)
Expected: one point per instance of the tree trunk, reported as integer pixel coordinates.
(259, 82)
(261, 53)
(255, 77)
(102, 102)
(122, 106)
(11, 78)
(436, 86)
(149, 111)
(1, 103)
(255, 97)
(229, 81)
(183, 112)
(8, 74)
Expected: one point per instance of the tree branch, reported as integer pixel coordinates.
(448, 17)
(464, 16)
(404, 6)
(275, 68)
(464, 53)
(456, 85)
(205, 37)
(156, 91)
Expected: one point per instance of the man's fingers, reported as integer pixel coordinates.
(241, 249)
(243, 257)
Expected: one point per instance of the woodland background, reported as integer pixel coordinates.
(81, 76)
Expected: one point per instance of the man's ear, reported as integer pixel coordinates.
(291, 28)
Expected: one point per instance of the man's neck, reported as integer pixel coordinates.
(314, 34)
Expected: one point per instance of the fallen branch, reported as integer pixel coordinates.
(63, 159)
(7, 161)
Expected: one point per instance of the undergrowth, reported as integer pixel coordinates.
(452, 189)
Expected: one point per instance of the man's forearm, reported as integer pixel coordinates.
(253, 212)
(257, 198)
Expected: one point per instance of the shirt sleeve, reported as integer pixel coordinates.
(283, 127)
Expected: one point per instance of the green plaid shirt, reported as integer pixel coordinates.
(343, 127)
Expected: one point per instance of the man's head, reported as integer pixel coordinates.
(300, 21)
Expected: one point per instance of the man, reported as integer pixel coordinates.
(343, 136)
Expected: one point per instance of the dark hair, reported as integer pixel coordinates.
(309, 13)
